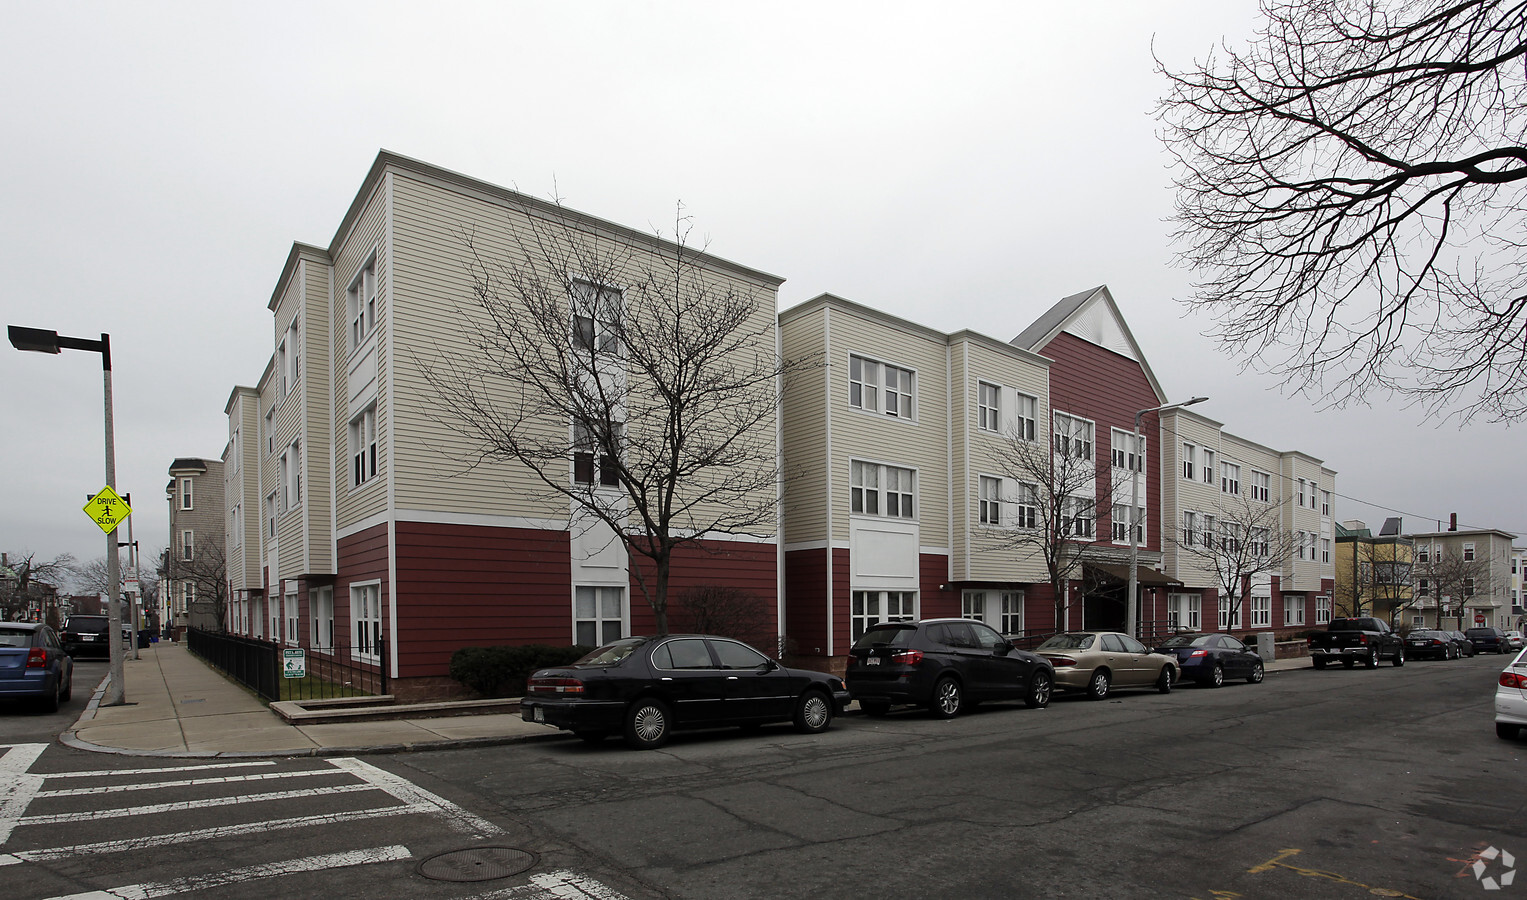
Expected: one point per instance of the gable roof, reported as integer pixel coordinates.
(1093, 316)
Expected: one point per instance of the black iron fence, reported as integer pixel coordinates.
(261, 666)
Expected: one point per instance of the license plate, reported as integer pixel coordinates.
(540, 714)
(872, 661)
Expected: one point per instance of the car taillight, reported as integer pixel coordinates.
(907, 657)
(1310, 640)
(37, 658)
(1197, 653)
(1513, 680)
(1362, 639)
(1059, 661)
(1437, 642)
(555, 686)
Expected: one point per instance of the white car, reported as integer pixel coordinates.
(1511, 697)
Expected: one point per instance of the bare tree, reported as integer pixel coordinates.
(90, 577)
(1053, 505)
(1235, 540)
(25, 578)
(207, 572)
(1352, 198)
(1378, 576)
(1450, 579)
(632, 377)
(726, 611)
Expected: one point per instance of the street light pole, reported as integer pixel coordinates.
(1130, 603)
(40, 340)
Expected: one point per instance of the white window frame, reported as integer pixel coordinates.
(187, 545)
(1325, 550)
(871, 493)
(1121, 527)
(290, 471)
(1325, 504)
(596, 313)
(1126, 454)
(599, 611)
(1293, 609)
(1261, 612)
(1189, 452)
(1072, 436)
(990, 500)
(1423, 587)
(1184, 611)
(363, 447)
(271, 513)
(321, 602)
(1229, 613)
(291, 609)
(973, 605)
(366, 620)
(1208, 469)
(1189, 528)
(1026, 506)
(1300, 495)
(1078, 517)
(1026, 417)
(988, 407)
(1261, 486)
(1468, 551)
(1230, 478)
(1260, 539)
(1322, 610)
(361, 304)
(187, 494)
(865, 609)
(1011, 614)
(876, 386)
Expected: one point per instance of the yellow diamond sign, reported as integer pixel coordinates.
(107, 509)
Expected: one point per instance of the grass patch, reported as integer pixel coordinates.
(312, 687)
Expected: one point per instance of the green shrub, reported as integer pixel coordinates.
(501, 671)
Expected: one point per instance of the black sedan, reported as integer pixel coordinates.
(943, 664)
(1461, 640)
(1210, 658)
(1425, 643)
(34, 666)
(646, 687)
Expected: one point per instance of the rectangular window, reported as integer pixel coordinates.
(1423, 554)
(973, 605)
(1261, 486)
(361, 304)
(1073, 437)
(187, 594)
(187, 545)
(1229, 614)
(1468, 551)
(1188, 452)
(1302, 484)
(275, 618)
(881, 387)
(322, 636)
(1259, 543)
(366, 620)
(185, 494)
(991, 501)
(597, 615)
(291, 618)
(989, 407)
(880, 490)
(597, 313)
(1026, 506)
(868, 608)
(1325, 550)
(1026, 413)
(586, 449)
(1230, 478)
(1189, 528)
(1468, 587)
(270, 431)
(1012, 612)
(1207, 469)
(1208, 532)
(1127, 454)
(1122, 521)
(1322, 610)
(1293, 609)
(1076, 516)
(1325, 504)
(270, 514)
(363, 447)
(1229, 538)
(291, 477)
(1261, 612)
(289, 359)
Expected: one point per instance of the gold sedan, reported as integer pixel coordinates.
(1099, 661)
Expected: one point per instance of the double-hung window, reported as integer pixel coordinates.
(1127, 453)
(1229, 613)
(1259, 543)
(1026, 505)
(366, 619)
(586, 450)
(363, 447)
(186, 499)
(597, 312)
(1189, 451)
(322, 636)
(1184, 611)
(1261, 486)
(1325, 504)
(1230, 478)
(270, 514)
(1261, 612)
(1207, 469)
(292, 632)
(867, 608)
(988, 407)
(1073, 437)
(881, 387)
(187, 545)
(1468, 551)
(597, 615)
(1302, 486)
(1122, 521)
(361, 302)
(1076, 516)
(1468, 587)
(1293, 609)
(1208, 532)
(1025, 417)
(991, 501)
(876, 489)
(291, 477)
(1189, 528)
(1325, 550)
(1322, 610)
(1229, 538)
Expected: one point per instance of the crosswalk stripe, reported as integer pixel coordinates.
(183, 805)
(152, 889)
(417, 797)
(189, 782)
(162, 770)
(17, 787)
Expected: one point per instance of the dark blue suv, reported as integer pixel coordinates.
(945, 665)
(1487, 640)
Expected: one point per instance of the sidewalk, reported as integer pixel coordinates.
(178, 706)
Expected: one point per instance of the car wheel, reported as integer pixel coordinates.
(1258, 672)
(647, 724)
(1164, 680)
(1506, 730)
(813, 713)
(1041, 686)
(875, 708)
(1097, 688)
(1216, 676)
(1399, 658)
(50, 703)
(591, 736)
(1372, 662)
(947, 698)
(1318, 663)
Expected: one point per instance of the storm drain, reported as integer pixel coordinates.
(476, 864)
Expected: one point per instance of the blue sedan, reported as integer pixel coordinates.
(34, 666)
(1211, 658)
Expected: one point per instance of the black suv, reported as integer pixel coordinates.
(944, 664)
(1487, 640)
(86, 634)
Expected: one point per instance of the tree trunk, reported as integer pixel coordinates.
(660, 593)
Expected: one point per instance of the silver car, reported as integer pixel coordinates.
(1099, 661)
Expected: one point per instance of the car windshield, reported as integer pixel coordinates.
(611, 654)
(886, 636)
(1424, 634)
(1068, 642)
(1186, 640)
(15, 637)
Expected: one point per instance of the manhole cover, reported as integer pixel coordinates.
(477, 864)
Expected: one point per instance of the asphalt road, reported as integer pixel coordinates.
(1334, 784)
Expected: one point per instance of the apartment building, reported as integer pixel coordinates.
(1463, 578)
(1373, 572)
(193, 585)
(385, 534)
(242, 457)
(1518, 597)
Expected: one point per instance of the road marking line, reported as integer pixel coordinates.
(152, 889)
(417, 797)
(189, 782)
(559, 884)
(192, 804)
(17, 787)
(102, 773)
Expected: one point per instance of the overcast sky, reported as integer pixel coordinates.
(958, 165)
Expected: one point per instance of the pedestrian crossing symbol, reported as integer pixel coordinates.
(107, 509)
(294, 663)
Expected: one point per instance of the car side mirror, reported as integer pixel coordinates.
(767, 665)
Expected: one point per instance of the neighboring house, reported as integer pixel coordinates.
(193, 581)
(384, 537)
(1463, 577)
(248, 519)
(1518, 585)
(897, 503)
(1373, 573)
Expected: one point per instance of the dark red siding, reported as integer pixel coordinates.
(748, 567)
(806, 601)
(935, 603)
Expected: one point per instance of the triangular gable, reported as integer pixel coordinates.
(1093, 317)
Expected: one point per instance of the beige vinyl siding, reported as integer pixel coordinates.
(1180, 495)
(987, 555)
(353, 505)
(805, 431)
(1301, 575)
(290, 426)
(921, 443)
(269, 545)
(318, 512)
(431, 312)
(243, 488)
